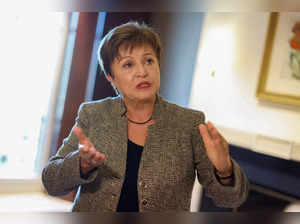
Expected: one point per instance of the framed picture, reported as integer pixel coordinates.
(279, 79)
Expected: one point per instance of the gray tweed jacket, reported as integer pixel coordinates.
(173, 151)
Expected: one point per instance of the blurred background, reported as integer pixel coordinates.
(211, 62)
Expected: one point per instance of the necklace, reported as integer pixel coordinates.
(138, 122)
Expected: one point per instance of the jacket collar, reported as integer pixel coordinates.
(119, 109)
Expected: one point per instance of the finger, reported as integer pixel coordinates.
(83, 158)
(80, 135)
(224, 142)
(205, 135)
(95, 160)
(98, 158)
(83, 150)
(213, 131)
(91, 153)
(85, 154)
(216, 134)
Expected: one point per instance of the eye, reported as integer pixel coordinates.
(127, 65)
(149, 61)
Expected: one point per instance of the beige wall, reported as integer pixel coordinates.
(180, 34)
(232, 46)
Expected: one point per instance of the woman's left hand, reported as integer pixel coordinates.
(217, 148)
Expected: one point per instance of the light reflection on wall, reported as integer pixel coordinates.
(228, 98)
(214, 72)
(216, 54)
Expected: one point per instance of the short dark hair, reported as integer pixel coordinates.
(129, 35)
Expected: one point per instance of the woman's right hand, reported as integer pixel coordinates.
(89, 156)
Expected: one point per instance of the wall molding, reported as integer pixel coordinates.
(259, 143)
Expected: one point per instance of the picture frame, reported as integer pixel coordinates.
(279, 78)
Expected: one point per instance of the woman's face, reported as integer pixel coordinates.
(136, 73)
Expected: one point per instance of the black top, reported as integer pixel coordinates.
(129, 196)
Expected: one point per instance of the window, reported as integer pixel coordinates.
(32, 52)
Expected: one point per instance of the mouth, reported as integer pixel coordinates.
(143, 85)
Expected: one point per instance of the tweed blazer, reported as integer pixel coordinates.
(173, 154)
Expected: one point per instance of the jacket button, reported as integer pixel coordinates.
(144, 202)
(142, 184)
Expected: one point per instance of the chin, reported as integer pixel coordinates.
(146, 97)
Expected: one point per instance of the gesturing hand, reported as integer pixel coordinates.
(89, 156)
(217, 148)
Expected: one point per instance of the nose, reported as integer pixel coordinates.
(141, 70)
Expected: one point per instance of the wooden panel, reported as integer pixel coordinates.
(79, 71)
(78, 76)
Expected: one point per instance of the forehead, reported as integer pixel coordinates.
(127, 50)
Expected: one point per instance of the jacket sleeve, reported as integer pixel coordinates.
(62, 172)
(223, 196)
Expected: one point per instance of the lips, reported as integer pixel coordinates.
(143, 85)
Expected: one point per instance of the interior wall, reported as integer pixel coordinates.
(226, 76)
(180, 34)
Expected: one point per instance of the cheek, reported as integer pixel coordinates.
(124, 83)
(154, 70)
(156, 77)
(158, 82)
(157, 73)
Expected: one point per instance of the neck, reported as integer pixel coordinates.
(139, 111)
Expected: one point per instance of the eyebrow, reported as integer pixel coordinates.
(148, 53)
(122, 58)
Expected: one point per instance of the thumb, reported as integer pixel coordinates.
(80, 135)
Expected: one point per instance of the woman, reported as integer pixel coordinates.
(138, 152)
